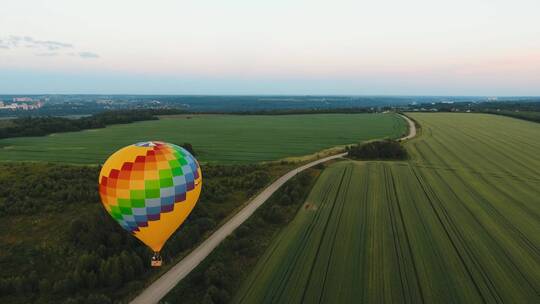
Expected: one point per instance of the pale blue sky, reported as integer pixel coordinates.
(474, 47)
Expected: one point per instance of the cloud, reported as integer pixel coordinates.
(88, 55)
(44, 48)
(48, 44)
(47, 54)
(29, 42)
(4, 44)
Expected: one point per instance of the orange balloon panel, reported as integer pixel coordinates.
(150, 188)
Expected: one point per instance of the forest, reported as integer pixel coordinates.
(44, 125)
(64, 247)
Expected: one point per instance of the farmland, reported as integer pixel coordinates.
(216, 138)
(457, 223)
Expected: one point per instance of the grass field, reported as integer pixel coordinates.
(458, 223)
(216, 138)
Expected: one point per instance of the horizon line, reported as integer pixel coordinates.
(275, 95)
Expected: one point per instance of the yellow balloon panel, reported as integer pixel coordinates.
(158, 232)
(150, 188)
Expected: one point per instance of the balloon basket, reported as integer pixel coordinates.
(156, 260)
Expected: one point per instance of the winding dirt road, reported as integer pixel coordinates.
(159, 288)
(412, 128)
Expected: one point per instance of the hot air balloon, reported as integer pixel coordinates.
(150, 188)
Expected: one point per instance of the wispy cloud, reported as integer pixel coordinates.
(88, 55)
(44, 48)
(4, 44)
(29, 42)
(47, 54)
(48, 44)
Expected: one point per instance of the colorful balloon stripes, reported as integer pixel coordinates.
(142, 183)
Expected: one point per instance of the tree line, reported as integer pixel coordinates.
(380, 149)
(525, 115)
(44, 125)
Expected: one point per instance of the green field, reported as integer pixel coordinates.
(458, 223)
(216, 138)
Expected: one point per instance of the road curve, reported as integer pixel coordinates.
(157, 290)
(412, 128)
(162, 286)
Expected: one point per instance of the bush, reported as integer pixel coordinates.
(189, 148)
(275, 215)
(384, 149)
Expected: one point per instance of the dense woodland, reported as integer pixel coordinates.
(58, 105)
(381, 149)
(312, 111)
(43, 125)
(525, 115)
(64, 247)
(526, 109)
(526, 105)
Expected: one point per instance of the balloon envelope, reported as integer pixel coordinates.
(150, 188)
